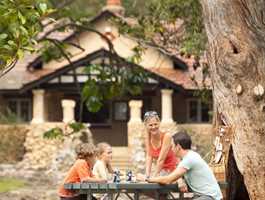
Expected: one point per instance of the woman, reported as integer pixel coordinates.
(158, 147)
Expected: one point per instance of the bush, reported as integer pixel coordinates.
(12, 143)
(8, 117)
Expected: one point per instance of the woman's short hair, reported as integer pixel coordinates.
(101, 147)
(84, 150)
(150, 114)
(183, 139)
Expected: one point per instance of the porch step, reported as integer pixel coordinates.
(120, 158)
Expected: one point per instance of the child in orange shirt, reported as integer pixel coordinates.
(81, 171)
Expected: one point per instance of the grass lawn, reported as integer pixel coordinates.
(7, 184)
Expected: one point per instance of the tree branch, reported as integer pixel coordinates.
(110, 45)
(8, 67)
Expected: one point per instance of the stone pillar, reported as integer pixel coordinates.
(167, 108)
(38, 106)
(135, 110)
(68, 110)
(136, 135)
(167, 123)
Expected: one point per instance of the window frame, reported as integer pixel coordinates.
(18, 107)
(114, 116)
(198, 110)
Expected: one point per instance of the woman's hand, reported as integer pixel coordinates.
(182, 185)
(140, 177)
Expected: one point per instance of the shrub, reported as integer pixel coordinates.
(12, 143)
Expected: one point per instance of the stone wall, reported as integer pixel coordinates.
(53, 157)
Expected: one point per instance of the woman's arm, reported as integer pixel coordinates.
(163, 153)
(149, 161)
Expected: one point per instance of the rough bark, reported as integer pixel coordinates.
(236, 54)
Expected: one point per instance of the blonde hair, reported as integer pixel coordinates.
(151, 114)
(101, 147)
(85, 150)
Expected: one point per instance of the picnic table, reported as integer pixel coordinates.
(131, 189)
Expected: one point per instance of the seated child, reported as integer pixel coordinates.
(102, 169)
(81, 171)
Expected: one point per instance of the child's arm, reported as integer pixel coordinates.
(110, 169)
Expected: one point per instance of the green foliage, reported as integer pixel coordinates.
(107, 82)
(54, 133)
(78, 8)
(77, 126)
(8, 184)
(8, 117)
(59, 133)
(19, 25)
(150, 22)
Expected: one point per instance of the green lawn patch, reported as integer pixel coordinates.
(8, 184)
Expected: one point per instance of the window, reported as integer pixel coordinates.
(21, 108)
(198, 111)
(102, 117)
(120, 111)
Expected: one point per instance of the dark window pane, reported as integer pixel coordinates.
(25, 110)
(206, 108)
(120, 111)
(12, 105)
(193, 111)
(100, 117)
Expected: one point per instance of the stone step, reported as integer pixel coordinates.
(121, 158)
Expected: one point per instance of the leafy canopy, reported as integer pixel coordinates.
(19, 25)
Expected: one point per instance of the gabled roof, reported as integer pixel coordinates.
(180, 80)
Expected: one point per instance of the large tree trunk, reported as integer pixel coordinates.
(236, 54)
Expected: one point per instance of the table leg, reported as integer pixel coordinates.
(117, 196)
(157, 195)
(127, 194)
(136, 195)
(89, 196)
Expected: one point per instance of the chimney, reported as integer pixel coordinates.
(114, 6)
